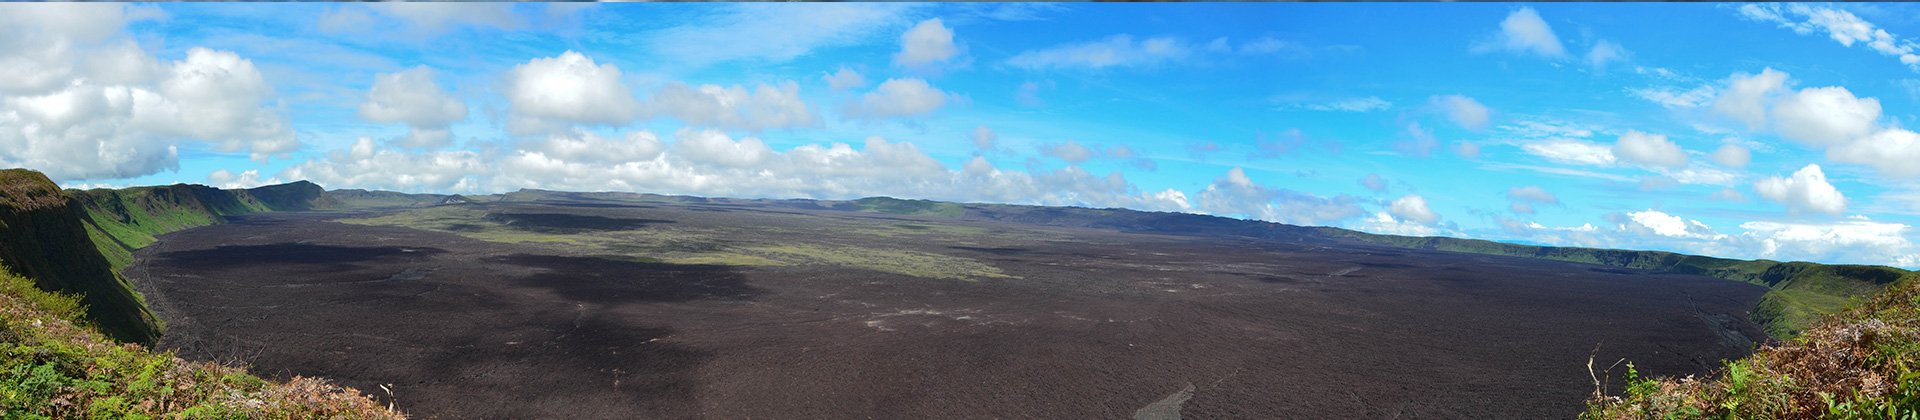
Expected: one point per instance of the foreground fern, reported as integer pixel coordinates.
(52, 368)
(1863, 363)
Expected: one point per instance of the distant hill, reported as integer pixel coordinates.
(364, 199)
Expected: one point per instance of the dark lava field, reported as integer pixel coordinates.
(629, 309)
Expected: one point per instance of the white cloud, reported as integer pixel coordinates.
(1673, 98)
(1464, 111)
(1070, 152)
(1852, 240)
(1663, 224)
(716, 148)
(928, 43)
(1892, 151)
(1366, 104)
(983, 138)
(897, 98)
(1532, 194)
(368, 166)
(1386, 224)
(1732, 156)
(44, 43)
(586, 147)
(1806, 190)
(105, 122)
(1604, 52)
(1114, 51)
(412, 97)
(1236, 194)
(1842, 26)
(845, 79)
(1825, 115)
(1572, 152)
(1745, 98)
(1523, 31)
(1420, 142)
(1413, 207)
(734, 107)
(1652, 150)
(1374, 182)
(246, 179)
(553, 93)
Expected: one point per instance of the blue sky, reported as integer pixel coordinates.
(1753, 131)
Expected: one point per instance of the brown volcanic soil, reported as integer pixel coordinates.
(1097, 324)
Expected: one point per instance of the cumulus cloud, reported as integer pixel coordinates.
(554, 93)
(716, 148)
(897, 98)
(366, 165)
(1864, 241)
(1806, 190)
(1463, 111)
(928, 43)
(1732, 156)
(1825, 115)
(412, 97)
(845, 79)
(1114, 51)
(1892, 151)
(1413, 207)
(1746, 95)
(734, 107)
(1663, 224)
(1236, 194)
(245, 179)
(87, 103)
(1650, 149)
(1524, 32)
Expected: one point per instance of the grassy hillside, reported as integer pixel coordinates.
(53, 367)
(899, 206)
(42, 236)
(364, 199)
(76, 241)
(1802, 292)
(1863, 363)
(121, 221)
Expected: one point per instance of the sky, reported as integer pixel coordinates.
(1771, 131)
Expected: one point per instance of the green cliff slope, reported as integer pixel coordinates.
(1802, 292)
(43, 237)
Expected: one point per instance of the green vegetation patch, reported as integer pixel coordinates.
(1863, 363)
(911, 263)
(53, 367)
(919, 207)
(1801, 291)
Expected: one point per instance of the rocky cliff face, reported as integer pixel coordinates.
(43, 237)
